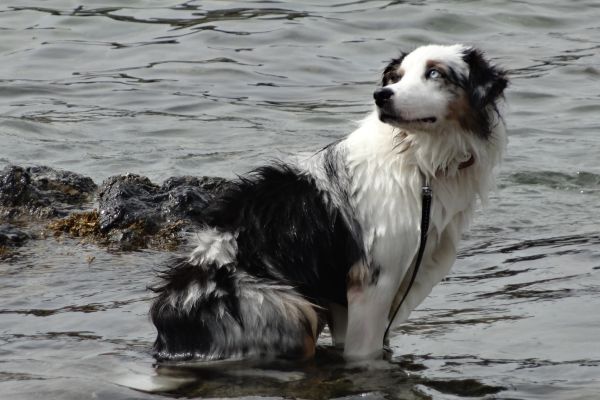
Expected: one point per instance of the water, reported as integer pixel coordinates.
(216, 87)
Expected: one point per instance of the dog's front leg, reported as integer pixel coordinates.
(369, 301)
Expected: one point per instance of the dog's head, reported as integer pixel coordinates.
(437, 85)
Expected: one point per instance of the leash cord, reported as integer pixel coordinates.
(427, 195)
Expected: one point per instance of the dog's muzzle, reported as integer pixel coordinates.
(382, 96)
(383, 99)
(387, 113)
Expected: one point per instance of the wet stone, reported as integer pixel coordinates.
(189, 195)
(10, 238)
(42, 192)
(134, 212)
(128, 199)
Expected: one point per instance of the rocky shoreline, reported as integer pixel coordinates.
(124, 212)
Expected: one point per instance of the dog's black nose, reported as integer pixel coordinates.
(382, 95)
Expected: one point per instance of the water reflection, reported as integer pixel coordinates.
(327, 376)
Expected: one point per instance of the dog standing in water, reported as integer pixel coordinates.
(290, 248)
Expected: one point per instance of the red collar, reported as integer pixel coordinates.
(468, 163)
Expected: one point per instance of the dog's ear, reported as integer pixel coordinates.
(486, 82)
(390, 73)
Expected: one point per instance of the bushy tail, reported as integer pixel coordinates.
(214, 312)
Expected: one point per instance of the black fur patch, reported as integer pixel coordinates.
(455, 78)
(287, 230)
(484, 86)
(390, 73)
(185, 335)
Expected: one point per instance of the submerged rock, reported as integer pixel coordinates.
(42, 192)
(10, 238)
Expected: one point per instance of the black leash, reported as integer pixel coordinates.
(426, 193)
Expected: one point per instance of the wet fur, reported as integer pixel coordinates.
(290, 248)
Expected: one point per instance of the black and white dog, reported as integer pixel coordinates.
(290, 248)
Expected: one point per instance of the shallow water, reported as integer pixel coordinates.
(217, 87)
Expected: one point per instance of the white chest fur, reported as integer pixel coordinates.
(388, 169)
(387, 172)
(385, 192)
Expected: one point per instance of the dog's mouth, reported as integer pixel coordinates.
(394, 119)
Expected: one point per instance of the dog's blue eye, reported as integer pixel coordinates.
(433, 74)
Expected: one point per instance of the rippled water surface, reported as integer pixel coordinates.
(165, 88)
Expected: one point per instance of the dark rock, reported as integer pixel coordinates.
(42, 192)
(128, 199)
(16, 188)
(65, 186)
(11, 236)
(187, 196)
(134, 212)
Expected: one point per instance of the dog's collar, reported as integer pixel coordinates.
(462, 165)
(468, 163)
